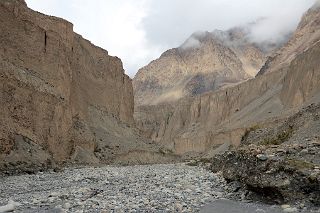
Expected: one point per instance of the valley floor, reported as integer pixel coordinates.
(150, 188)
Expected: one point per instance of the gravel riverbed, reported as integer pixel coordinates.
(149, 188)
(145, 188)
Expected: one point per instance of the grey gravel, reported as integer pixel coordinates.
(149, 188)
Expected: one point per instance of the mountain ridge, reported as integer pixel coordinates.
(197, 124)
(206, 61)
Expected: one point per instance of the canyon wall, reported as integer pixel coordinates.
(222, 117)
(61, 97)
(196, 122)
(219, 119)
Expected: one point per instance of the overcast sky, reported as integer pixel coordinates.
(138, 31)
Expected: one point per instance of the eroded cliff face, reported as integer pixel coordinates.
(62, 97)
(227, 114)
(212, 122)
(302, 82)
(205, 62)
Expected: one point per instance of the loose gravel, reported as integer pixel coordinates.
(147, 188)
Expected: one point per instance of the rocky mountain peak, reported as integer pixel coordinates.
(229, 38)
(206, 61)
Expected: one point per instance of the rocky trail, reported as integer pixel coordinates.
(150, 188)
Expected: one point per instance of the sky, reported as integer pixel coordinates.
(138, 31)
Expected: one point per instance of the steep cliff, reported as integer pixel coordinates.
(205, 62)
(216, 120)
(62, 98)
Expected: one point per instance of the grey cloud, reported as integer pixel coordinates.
(164, 24)
(190, 43)
(169, 23)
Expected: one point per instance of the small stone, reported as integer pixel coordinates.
(178, 207)
(35, 201)
(54, 194)
(51, 199)
(262, 157)
(281, 151)
(9, 207)
(288, 208)
(285, 206)
(293, 209)
(67, 205)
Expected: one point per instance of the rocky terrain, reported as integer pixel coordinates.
(63, 99)
(269, 122)
(160, 188)
(279, 161)
(156, 188)
(206, 61)
(153, 188)
(66, 102)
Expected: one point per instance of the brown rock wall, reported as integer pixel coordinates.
(50, 78)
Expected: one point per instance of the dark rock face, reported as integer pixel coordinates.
(277, 180)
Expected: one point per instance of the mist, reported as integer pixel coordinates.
(139, 31)
(190, 43)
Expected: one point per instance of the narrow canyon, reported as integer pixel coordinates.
(219, 124)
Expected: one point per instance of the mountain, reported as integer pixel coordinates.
(62, 98)
(205, 62)
(199, 124)
(262, 133)
(306, 35)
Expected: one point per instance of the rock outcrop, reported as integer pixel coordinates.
(205, 62)
(61, 97)
(279, 162)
